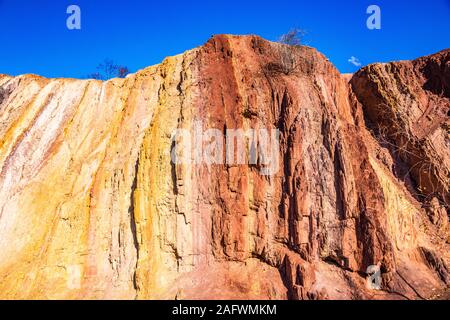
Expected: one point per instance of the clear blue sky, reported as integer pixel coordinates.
(138, 33)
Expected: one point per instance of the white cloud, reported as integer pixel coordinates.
(355, 61)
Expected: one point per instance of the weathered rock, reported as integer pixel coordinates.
(408, 107)
(91, 205)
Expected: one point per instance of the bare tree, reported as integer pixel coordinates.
(122, 72)
(109, 69)
(293, 38)
(287, 62)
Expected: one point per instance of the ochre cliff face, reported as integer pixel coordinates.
(407, 107)
(93, 207)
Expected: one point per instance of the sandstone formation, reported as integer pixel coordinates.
(92, 207)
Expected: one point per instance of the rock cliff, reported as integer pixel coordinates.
(92, 205)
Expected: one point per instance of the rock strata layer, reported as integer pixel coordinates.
(93, 207)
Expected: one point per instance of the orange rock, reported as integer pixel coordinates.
(92, 207)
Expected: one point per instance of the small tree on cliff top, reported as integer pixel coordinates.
(286, 63)
(293, 38)
(109, 69)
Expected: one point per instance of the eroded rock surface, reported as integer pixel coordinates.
(92, 207)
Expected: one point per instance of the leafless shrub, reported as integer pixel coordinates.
(285, 64)
(122, 71)
(109, 69)
(399, 142)
(293, 38)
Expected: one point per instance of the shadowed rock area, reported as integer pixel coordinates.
(92, 207)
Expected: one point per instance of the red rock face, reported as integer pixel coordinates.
(325, 207)
(407, 106)
(335, 200)
(324, 204)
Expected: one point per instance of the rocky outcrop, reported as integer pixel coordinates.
(92, 205)
(407, 105)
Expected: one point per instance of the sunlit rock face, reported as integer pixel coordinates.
(92, 205)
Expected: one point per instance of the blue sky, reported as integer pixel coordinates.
(137, 33)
